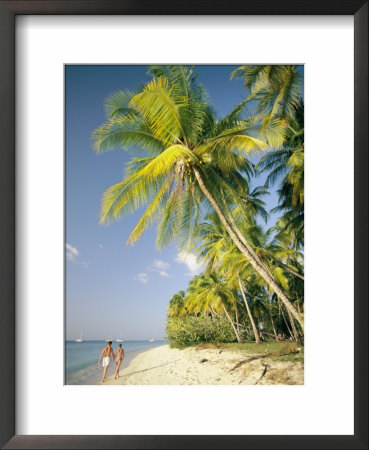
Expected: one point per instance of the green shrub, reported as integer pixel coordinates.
(191, 330)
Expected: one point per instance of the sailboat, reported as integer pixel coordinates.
(109, 339)
(120, 338)
(151, 340)
(80, 338)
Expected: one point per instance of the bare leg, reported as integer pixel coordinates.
(117, 369)
(104, 374)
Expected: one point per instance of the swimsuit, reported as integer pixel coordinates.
(106, 361)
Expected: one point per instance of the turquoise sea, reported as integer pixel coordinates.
(81, 359)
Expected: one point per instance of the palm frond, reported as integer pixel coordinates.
(127, 133)
(117, 104)
(157, 107)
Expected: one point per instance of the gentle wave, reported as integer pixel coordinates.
(81, 359)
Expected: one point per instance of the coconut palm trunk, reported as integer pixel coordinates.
(256, 334)
(271, 318)
(254, 254)
(298, 306)
(252, 258)
(274, 331)
(237, 324)
(239, 340)
(285, 266)
(239, 233)
(297, 339)
(286, 323)
(211, 312)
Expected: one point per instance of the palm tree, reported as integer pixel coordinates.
(213, 241)
(191, 157)
(211, 294)
(276, 93)
(288, 163)
(277, 89)
(219, 252)
(176, 307)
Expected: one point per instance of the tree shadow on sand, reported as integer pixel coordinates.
(149, 368)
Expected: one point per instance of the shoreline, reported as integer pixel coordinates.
(91, 374)
(206, 366)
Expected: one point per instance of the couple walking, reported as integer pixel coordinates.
(118, 356)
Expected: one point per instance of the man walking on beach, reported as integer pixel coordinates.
(107, 351)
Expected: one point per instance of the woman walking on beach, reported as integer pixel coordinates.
(118, 360)
(107, 351)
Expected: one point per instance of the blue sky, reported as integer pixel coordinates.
(112, 288)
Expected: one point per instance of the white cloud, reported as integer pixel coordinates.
(141, 277)
(160, 267)
(190, 260)
(163, 273)
(72, 252)
(101, 246)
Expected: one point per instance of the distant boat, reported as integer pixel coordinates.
(109, 339)
(151, 340)
(80, 338)
(119, 339)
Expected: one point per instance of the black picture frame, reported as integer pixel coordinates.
(8, 11)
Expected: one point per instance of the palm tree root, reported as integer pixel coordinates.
(264, 372)
(264, 355)
(253, 358)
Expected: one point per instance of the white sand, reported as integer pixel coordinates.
(163, 366)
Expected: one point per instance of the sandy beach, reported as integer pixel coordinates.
(209, 366)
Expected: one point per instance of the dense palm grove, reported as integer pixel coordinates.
(194, 172)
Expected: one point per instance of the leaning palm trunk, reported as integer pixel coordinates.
(256, 334)
(232, 325)
(254, 254)
(286, 323)
(274, 330)
(298, 306)
(297, 339)
(285, 266)
(211, 312)
(251, 257)
(237, 324)
(240, 235)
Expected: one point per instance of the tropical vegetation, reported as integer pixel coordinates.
(194, 173)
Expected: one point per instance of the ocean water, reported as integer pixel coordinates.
(81, 359)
